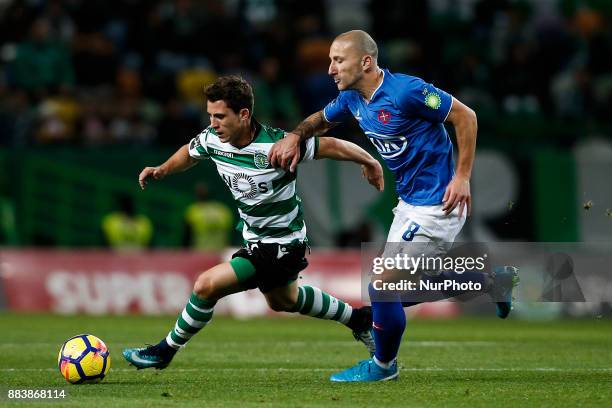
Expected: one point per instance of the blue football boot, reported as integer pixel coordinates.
(366, 371)
(505, 279)
(148, 357)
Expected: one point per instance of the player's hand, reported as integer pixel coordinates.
(286, 152)
(457, 194)
(373, 172)
(148, 172)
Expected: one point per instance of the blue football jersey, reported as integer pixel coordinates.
(404, 121)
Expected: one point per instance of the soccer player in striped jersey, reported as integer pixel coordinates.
(271, 216)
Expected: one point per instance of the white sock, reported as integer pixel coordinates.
(386, 365)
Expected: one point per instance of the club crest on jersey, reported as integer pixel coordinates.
(261, 161)
(384, 116)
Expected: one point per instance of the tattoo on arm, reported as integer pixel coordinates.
(314, 125)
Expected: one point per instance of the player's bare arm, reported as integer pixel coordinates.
(286, 152)
(466, 126)
(337, 149)
(179, 161)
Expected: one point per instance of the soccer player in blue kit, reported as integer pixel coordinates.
(403, 117)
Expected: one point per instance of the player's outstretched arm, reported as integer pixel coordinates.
(466, 126)
(179, 161)
(336, 149)
(286, 152)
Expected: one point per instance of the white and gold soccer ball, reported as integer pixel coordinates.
(84, 359)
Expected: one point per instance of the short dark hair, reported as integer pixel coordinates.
(235, 91)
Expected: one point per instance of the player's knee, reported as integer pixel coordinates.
(205, 287)
(281, 305)
(277, 307)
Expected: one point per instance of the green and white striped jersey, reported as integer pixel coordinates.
(267, 200)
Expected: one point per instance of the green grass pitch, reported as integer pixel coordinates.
(287, 362)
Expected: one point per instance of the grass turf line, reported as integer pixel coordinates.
(287, 362)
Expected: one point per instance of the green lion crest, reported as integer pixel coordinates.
(261, 161)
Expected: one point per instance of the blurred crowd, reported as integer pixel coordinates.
(97, 72)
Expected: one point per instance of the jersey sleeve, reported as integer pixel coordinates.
(422, 99)
(337, 110)
(308, 149)
(197, 146)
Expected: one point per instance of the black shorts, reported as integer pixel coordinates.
(269, 266)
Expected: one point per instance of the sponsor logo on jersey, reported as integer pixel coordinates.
(222, 153)
(244, 184)
(261, 161)
(388, 146)
(433, 100)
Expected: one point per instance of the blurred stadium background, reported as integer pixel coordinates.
(92, 91)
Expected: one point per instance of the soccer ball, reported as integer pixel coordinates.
(84, 359)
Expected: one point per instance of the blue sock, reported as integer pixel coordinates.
(388, 324)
